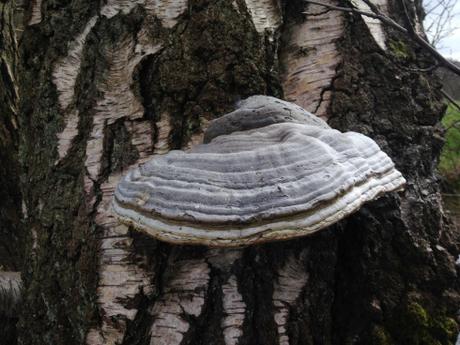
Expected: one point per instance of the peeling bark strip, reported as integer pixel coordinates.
(66, 70)
(66, 137)
(183, 294)
(167, 11)
(65, 74)
(234, 309)
(310, 59)
(265, 14)
(375, 26)
(292, 278)
(121, 275)
(118, 101)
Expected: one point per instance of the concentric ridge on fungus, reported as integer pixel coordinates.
(270, 171)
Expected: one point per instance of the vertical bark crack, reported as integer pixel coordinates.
(292, 278)
(310, 57)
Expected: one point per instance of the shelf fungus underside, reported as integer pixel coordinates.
(290, 177)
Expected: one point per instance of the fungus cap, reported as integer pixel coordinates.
(289, 177)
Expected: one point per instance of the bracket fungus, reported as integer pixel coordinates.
(267, 171)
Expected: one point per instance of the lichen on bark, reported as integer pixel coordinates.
(209, 55)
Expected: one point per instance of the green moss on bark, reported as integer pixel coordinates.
(379, 336)
(414, 325)
(213, 59)
(382, 96)
(59, 275)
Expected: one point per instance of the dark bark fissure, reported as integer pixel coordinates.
(385, 244)
(384, 276)
(206, 329)
(206, 68)
(255, 280)
(120, 152)
(12, 245)
(138, 333)
(12, 235)
(60, 277)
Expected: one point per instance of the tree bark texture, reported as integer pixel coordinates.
(104, 86)
(11, 233)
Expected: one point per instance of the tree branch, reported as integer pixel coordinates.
(376, 14)
(440, 14)
(451, 99)
(380, 17)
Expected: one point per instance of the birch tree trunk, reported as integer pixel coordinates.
(104, 86)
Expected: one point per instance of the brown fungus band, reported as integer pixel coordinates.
(269, 171)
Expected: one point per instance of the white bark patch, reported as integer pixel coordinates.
(292, 278)
(183, 293)
(36, 15)
(66, 70)
(265, 14)
(10, 293)
(25, 211)
(121, 276)
(66, 137)
(310, 59)
(375, 26)
(34, 236)
(418, 23)
(10, 63)
(64, 76)
(234, 309)
(94, 337)
(232, 301)
(163, 128)
(120, 273)
(168, 11)
(235, 6)
(195, 139)
(118, 100)
(113, 7)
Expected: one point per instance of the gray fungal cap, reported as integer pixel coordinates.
(260, 111)
(270, 171)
